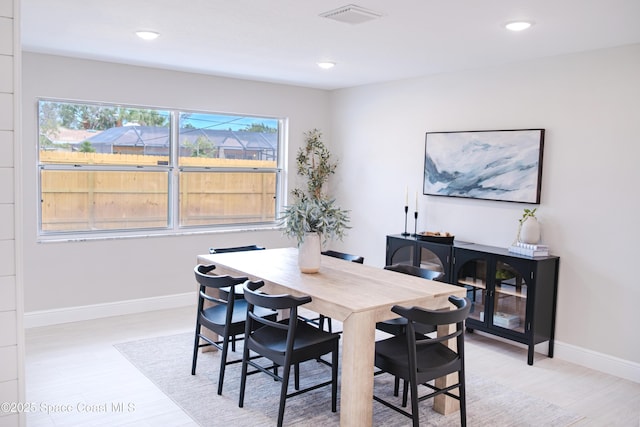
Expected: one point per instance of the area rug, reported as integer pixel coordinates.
(166, 361)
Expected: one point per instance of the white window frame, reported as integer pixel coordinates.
(173, 170)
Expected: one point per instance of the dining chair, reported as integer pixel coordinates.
(418, 359)
(222, 316)
(340, 255)
(345, 256)
(398, 325)
(235, 249)
(425, 273)
(285, 343)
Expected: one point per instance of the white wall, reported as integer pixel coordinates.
(586, 102)
(72, 274)
(589, 105)
(11, 330)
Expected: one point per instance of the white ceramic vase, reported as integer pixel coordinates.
(530, 231)
(309, 253)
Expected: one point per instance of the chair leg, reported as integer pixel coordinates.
(334, 379)
(321, 320)
(296, 376)
(283, 393)
(415, 411)
(243, 375)
(463, 398)
(405, 391)
(195, 350)
(223, 362)
(396, 386)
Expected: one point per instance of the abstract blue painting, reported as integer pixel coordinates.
(503, 165)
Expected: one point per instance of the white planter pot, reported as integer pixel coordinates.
(530, 231)
(309, 253)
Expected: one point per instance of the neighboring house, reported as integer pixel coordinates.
(64, 137)
(154, 140)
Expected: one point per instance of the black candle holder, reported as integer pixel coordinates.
(406, 211)
(415, 228)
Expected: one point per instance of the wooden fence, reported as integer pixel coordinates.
(83, 200)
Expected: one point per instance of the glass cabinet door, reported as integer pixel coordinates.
(399, 251)
(430, 260)
(473, 276)
(510, 298)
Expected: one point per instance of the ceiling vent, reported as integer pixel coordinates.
(351, 14)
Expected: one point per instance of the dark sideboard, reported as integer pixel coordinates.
(512, 296)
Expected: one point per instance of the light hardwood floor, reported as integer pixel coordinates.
(74, 364)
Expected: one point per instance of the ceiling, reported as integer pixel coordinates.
(282, 40)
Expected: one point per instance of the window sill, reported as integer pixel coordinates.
(148, 234)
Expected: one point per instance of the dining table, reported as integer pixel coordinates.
(358, 295)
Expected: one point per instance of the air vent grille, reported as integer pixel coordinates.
(351, 14)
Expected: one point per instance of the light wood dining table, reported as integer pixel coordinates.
(358, 295)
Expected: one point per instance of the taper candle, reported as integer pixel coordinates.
(406, 196)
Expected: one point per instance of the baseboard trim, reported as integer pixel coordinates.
(36, 319)
(601, 362)
(598, 361)
(590, 359)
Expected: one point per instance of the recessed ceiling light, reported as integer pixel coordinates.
(518, 25)
(326, 64)
(147, 35)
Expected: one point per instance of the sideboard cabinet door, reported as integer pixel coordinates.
(428, 255)
(513, 297)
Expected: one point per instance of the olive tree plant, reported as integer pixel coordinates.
(312, 210)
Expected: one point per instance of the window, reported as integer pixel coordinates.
(108, 169)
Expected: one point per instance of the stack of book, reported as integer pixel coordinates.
(529, 250)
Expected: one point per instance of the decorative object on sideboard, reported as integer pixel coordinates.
(529, 228)
(529, 250)
(443, 237)
(406, 215)
(406, 212)
(415, 217)
(312, 211)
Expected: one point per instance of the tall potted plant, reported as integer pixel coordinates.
(314, 218)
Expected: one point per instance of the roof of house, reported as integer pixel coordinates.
(159, 136)
(69, 136)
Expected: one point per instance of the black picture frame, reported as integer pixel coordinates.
(503, 165)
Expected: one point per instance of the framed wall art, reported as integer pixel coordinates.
(504, 165)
